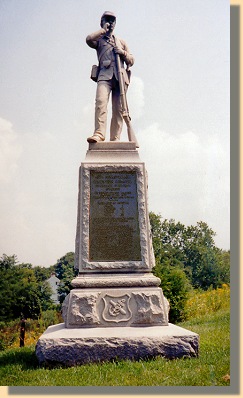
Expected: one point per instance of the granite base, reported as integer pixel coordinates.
(70, 347)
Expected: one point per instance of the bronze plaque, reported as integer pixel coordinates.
(114, 227)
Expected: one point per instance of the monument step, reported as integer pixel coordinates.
(71, 347)
(115, 280)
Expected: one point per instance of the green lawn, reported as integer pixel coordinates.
(19, 367)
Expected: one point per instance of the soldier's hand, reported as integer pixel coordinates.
(118, 50)
(106, 27)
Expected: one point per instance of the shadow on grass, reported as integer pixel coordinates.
(23, 356)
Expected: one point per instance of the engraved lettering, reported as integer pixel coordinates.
(114, 227)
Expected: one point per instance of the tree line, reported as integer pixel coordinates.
(186, 259)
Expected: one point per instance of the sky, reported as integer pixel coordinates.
(178, 100)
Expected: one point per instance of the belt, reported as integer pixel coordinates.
(107, 63)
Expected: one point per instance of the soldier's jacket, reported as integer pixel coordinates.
(106, 55)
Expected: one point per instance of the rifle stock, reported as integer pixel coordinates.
(130, 132)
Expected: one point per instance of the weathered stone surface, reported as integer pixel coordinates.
(116, 309)
(149, 309)
(103, 246)
(106, 307)
(83, 309)
(115, 280)
(70, 347)
(113, 146)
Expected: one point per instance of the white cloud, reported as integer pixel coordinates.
(87, 118)
(135, 97)
(38, 205)
(188, 178)
(35, 232)
(10, 150)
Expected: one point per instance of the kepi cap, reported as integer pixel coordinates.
(108, 14)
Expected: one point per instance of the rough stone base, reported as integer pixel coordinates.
(70, 347)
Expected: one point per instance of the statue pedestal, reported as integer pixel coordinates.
(116, 308)
(69, 347)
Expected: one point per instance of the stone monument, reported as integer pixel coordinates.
(116, 308)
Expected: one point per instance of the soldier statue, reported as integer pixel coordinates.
(111, 77)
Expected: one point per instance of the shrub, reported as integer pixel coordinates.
(202, 303)
(10, 331)
(176, 287)
(9, 334)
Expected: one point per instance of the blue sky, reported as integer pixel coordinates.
(178, 99)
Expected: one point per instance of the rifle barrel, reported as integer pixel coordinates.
(125, 112)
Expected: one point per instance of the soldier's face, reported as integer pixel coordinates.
(111, 21)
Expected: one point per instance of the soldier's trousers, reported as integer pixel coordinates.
(104, 88)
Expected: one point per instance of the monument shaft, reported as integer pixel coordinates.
(114, 243)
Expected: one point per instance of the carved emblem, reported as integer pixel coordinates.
(83, 310)
(149, 309)
(117, 308)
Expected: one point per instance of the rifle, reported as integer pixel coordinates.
(125, 111)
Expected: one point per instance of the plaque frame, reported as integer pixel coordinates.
(82, 261)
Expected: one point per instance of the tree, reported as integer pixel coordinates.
(168, 245)
(7, 282)
(168, 240)
(65, 271)
(42, 273)
(186, 257)
(223, 258)
(21, 294)
(203, 258)
(191, 248)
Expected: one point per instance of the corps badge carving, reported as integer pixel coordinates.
(116, 308)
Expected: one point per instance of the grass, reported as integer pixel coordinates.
(19, 366)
